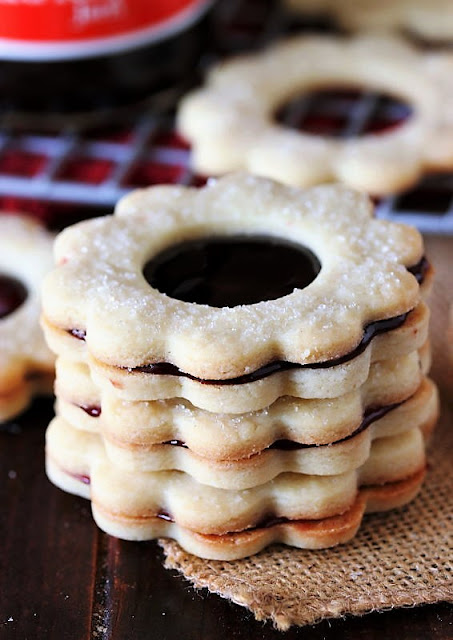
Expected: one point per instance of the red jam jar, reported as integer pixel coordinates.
(72, 56)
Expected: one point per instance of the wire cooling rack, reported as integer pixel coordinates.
(74, 172)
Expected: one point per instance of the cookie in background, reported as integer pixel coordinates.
(248, 113)
(26, 363)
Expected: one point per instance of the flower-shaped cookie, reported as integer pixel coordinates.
(26, 363)
(231, 122)
(136, 287)
(428, 19)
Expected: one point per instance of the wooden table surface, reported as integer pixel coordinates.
(63, 579)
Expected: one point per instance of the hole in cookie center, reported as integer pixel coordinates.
(232, 271)
(12, 294)
(343, 113)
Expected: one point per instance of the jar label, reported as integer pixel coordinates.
(66, 29)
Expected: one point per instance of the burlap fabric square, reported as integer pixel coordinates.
(399, 558)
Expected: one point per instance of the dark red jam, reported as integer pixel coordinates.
(80, 334)
(271, 521)
(227, 272)
(371, 330)
(343, 112)
(176, 443)
(420, 269)
(371, 415)
(94, 411)
(12, 294)
(84, 479)
(164, 515)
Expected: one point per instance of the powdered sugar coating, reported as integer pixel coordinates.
(26, 363)
(98, 285)
(230, 121)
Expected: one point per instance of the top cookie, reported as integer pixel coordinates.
(232, 124)
(99, 292)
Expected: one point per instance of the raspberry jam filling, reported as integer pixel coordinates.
(12, 294)
(343, 112)
(93, 410)
(232, 271)
(420, 270)
(371, 330)
(80, 334)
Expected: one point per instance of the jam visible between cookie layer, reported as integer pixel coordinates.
(371, 330)
(371, 414)
(12, 294)
(419, 271)
(270, 520)
(93, 410)
(232, 271)
(80, 334)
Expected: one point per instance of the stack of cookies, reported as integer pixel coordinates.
(239, 365)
